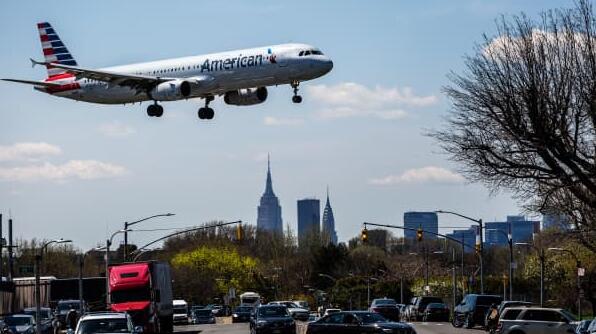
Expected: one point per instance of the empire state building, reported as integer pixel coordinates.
(269, 210)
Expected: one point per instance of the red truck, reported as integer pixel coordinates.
(144, 290)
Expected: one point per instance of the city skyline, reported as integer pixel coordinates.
(360, 129)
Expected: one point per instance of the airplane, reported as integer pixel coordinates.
(241, 76)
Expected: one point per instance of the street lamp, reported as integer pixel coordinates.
(480, 224)
(108, 244)
(144, 251)
(37, 280)
(510, 242)
(127, 225)
(541, 256)
(578, 266)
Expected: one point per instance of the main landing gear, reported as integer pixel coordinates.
(296, 98)
(206, 112)
(154, 110)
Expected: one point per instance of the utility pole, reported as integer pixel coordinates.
(10, 251)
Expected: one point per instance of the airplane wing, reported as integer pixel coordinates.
(134, 81)
(33, 82)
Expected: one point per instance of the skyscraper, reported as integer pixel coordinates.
(329, 233)
(428, 221)
(309, 220)
(522, 230)
(269, 210)
(468, 237)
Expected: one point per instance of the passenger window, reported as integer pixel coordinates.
(306, 53)
(301, 54)
(510, 314)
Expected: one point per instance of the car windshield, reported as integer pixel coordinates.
(63, 307)
(202, 313)
(243, 309)
(45, 314)
(370, 318)
(104, 326)
(275, 311)
(385, 302)
(436, 305)
(18, 321)
(569, 316)
(290, 304)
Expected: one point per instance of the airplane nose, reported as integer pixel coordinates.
(328, 65)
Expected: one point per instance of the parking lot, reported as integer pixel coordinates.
(229, 328)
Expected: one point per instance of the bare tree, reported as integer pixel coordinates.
(524, 114)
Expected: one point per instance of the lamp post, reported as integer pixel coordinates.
(38, 283)
(129, 224)
(541, 256)
(510, 243)
(480, 224)
(108, 244)
(578, 266)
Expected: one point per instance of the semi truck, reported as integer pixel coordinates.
(144, 290)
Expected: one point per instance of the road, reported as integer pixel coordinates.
(421, 328)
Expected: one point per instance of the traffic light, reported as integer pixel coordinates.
(478, 248)
(364, 235)
(419, 234)
(239, 233)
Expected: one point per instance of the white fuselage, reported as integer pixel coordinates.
(223, 72)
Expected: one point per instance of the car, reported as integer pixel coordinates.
(530, 320)
(583, 326)
(314, 316)
(46, 317)
(242, 314)
(20, 323)
(472, 309)
(62, 309)
(505, 304)
(107, 322)
(357, 322)
(436, 312)
(592, 328)
(295, 311)
(4, 329)
(272, 319)
(387, 307)
(415, 311)
(202, 316)
(303, 304)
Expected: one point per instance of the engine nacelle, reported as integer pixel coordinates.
(246, 97)
(171, 90)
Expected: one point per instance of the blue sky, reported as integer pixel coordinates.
(77, 170)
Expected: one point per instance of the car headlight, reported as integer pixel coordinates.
(261, 323)
(387, 330)
(235, 315)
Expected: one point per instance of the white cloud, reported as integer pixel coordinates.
(350, 99)
(73, 169)
(274, 121)
(28, 151)
(428, 174)
(116, 129)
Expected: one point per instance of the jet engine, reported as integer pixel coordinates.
(246, 97)
(171, 90)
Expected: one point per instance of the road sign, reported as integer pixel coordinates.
(581, 272)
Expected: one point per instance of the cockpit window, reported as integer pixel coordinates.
(310, 52)
(301, 54)
(307, 52)
(316, 52)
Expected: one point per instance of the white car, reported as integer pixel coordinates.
(539, 320)
(107, 322)
(330, 311)
(295, 311)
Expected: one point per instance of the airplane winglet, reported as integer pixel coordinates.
(35, 62)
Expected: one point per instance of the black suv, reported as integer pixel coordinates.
(472, 309)
(416, 310)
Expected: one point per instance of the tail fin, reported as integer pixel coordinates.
(54, 50)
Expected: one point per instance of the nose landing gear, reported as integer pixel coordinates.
(206, 112)
(154, 110)
(296, 98)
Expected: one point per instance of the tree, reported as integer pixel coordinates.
(524, 114)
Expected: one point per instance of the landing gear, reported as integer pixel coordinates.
(296, 98)
(155, 110)
(206, 112)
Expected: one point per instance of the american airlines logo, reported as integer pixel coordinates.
(235, 62)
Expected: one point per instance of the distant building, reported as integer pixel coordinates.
(468, 237)
(428, 221)
(329, 233)
(309, 219)
(555, 221)
(269, 210)
(522, 230)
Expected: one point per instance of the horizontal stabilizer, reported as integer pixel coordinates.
(33, 82)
